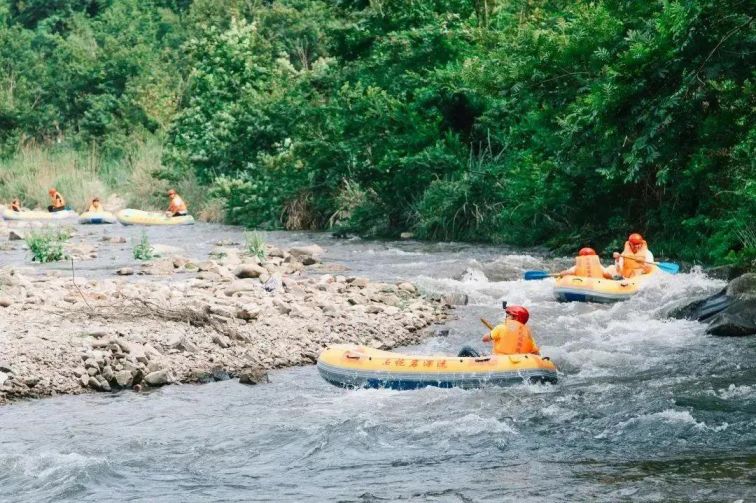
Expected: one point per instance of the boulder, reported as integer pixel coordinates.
(249, 271)
(5, 301)
(157, 378)
(743, 287)
(15, 235)
(125, 271)
(406, 287)
(311, 251)
(739, 319)
(358, 282)
(406, 235)
(253, 376)
(123, 378)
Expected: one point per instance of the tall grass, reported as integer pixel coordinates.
(79, 176)
(33, 170)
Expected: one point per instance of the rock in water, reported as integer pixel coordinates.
(157, 378)
(253, 376)
(737, 320)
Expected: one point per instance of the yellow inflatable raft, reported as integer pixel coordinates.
(100, 217)
(352, 366)
(582, 289)
(139, 217)
(9, 214)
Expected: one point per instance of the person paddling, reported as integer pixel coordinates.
(587, 265)
(58, 203)
(15, 205)
(177, 206)
(635, 259)
(510, 337)
(95, 206)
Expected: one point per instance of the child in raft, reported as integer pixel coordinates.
(177, 206)
(95, 206)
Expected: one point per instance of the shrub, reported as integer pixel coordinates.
(47, 245)
(143, 249)
(255, 244)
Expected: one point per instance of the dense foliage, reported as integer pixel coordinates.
(529, 122)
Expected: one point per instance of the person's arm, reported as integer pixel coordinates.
(571, 270)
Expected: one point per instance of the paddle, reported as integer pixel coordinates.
(531, 275)
(668, 267)
(487, 324)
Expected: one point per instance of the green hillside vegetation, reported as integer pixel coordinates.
(536, 122)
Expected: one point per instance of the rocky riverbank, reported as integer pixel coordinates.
(179, 320)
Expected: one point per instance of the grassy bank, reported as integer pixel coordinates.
(133, 180)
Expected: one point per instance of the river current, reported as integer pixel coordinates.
(647, 408)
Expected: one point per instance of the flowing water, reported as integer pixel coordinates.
(646, 409)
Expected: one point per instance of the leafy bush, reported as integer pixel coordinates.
(143, 249)
(47, 245)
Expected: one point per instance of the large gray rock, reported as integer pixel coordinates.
(743, 287)
(738, 320)
(123, 378)
(311, 251)
(253, 376)
(157, 378)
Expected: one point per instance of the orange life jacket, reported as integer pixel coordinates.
(57, 200)
(632, 267)
(177, 205)
(512, 337)
(588, 266)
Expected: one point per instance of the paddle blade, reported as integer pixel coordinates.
(529, 275)
(668, 267)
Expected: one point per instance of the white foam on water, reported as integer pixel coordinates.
(469, 424)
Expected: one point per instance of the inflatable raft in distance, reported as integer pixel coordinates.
(352, 366)
(9, 214)
(583, 289)
(100, 217)
(139, 217)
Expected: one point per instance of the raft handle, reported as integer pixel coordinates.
(352, 357)
(483, 359)
(546, 358)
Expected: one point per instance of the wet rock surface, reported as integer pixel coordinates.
(730, 313)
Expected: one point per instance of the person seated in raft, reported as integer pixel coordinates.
(511, 337)
(634, 259)
(15, 205)
(177, 207)
(588, 265)
(58, 203)
(95, 206)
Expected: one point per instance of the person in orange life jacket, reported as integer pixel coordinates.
(58, 203)
(95, 206)
(15, 205)
(509, 338)
(177, 206)
(588, 265)
(633, 261)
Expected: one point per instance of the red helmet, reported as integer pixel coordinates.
(635, 239)
(519, 313)
(52, 191)
(586, 251)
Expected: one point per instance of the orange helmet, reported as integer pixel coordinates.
(586, 251)
(519, 313)
(52, 191)
(635, 239)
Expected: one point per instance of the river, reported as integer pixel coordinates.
(646, 408)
